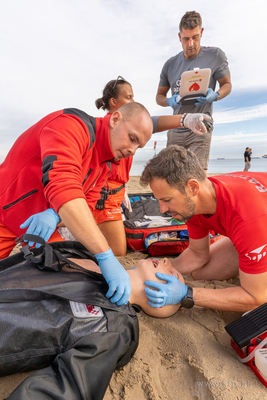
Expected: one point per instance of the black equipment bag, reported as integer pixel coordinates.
(43, 299)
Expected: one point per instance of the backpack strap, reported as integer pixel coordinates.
(114, 191)
(50, 256)
(47, 260)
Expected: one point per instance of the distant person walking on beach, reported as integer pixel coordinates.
(223, 204)
(247, 158)
(193, 56)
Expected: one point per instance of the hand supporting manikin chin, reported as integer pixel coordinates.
(145, 270)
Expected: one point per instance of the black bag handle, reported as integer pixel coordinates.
(47, 260)
(46, 257)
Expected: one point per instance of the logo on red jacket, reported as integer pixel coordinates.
(257, 254)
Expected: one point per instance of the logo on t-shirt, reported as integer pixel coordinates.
(257, 184)
(257, 254)
(176, 88)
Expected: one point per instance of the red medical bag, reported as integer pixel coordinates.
(148, 230)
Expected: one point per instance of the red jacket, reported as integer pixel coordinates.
(62, 157)
(121, 173)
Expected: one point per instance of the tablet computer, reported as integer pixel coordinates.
(194, 84)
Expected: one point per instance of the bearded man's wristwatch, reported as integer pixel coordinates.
(188, 300)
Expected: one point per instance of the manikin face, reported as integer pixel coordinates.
(125, 96)
(190, 39)
(146, 270)
(180, 206)
(126, 136)
(150, 266)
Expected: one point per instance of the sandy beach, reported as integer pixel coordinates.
(185, 357)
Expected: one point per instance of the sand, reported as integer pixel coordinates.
(185, 357)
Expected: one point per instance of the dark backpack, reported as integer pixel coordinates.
(38, 288)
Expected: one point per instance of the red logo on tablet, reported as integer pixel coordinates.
(194, 88)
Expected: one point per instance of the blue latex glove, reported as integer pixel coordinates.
(115, 276)
(42, 224)
(209, 98)
(171, 101)
(171, 292)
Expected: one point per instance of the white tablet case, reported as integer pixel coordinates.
(194, 84)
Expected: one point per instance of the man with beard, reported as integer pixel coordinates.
(221, 204)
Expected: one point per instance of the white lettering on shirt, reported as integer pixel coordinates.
(257, 184)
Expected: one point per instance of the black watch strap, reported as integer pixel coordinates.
(188, 300)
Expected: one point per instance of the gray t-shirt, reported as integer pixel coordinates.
(208, 57)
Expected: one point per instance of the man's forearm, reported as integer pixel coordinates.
(161, 100)
(189, 261)
(225, 90)
(228, 299)
(167, 122)
(78, 218)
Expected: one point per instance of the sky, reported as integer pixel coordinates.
(61, 53)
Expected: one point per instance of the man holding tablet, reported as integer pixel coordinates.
(193, 56)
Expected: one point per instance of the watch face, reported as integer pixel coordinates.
(188, 300)
(187, 303)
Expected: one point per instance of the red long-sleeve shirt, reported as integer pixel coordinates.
(62, 157)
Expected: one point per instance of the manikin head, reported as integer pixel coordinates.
(144, 270)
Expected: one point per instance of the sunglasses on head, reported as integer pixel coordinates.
(119, 77)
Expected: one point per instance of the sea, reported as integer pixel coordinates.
(219, 165)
